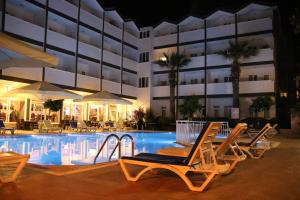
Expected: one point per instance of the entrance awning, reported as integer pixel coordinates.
(105, 97)
(41, 91)
(30, 56)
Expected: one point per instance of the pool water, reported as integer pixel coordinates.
(80, 149)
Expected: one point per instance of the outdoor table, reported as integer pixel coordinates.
(30, 125)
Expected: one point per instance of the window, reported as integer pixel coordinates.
(202, 80)
(227, 111)
(216, 80)
(144, 57)
(266, 77)
(144, 34)
(252, 78)
(216, 111)
(143, 82)
(163, 112)
(227, 79)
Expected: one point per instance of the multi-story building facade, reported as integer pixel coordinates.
(99, 50)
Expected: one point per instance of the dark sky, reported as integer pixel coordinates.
(151, 12)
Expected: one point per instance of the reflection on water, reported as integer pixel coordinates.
(81, 149)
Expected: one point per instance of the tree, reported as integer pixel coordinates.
(173, 62)
(262, 104)
(235, 52)
(138, 116)
(295, 21)
(53, 105)
(190, 106)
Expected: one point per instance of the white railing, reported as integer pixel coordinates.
(188, 131)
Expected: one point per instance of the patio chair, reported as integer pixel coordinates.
(200, 160)
(47, 126)
(258, 145)
(73, 126)
(120, 126)
(12, 158)
(253, 132)
(81, 125)
(3, 129)
(226, 150)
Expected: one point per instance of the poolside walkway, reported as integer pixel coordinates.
(275, 176)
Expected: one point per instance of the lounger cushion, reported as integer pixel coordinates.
(157, 158)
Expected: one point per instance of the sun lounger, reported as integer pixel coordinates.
(258, 145)
(253, 132)
(226, 150)
(81, 125)
(48, 127)
(73, 126)
(201, 160)
(3, 129)
(12, 158)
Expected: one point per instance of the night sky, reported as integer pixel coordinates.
(152, 12)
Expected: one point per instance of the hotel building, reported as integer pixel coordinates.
(100, 50)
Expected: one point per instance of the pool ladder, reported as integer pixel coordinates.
(119, 144)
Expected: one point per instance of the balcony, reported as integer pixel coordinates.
(255, 25)
(89, 50)
(191, 35)
(129, 90)
(215, 60)
(61, 77)
(24, 28)
(221, 31)
(88, 82)
(197, 61)
(112, 30)
(261, 86)
(64, 7)
(24, 73)
(111, 57)
(188, 90)
(161, 91)
(165, 40)
(111, 86)
(219, 88)
(60, 40)
(130, 64)
(131, 39)
(90, 19)
(263, 55)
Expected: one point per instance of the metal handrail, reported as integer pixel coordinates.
(132, 143)
(105, 141)
(117, 145)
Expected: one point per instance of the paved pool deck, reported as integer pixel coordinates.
(275, 176)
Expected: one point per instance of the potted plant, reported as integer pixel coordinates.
(53, 106)
(138, 116)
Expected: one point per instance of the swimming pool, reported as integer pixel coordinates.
(80, 149)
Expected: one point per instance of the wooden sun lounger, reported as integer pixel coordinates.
(226, 150)
(201, 160)
(258, 145)
(49, 127)
(3, 129)
(12, 158)
(253, 132)
(81, 125)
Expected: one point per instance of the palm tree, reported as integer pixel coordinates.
(235, 52)
(190, 106)
(173, 62)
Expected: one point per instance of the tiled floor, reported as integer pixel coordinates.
(275, 176)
